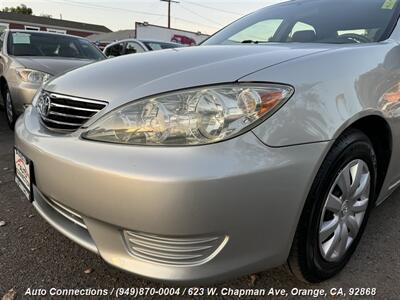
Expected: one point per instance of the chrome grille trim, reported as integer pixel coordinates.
(59, 96)
(66, 113)
(59, 122)
(176, 251)
(74, 108)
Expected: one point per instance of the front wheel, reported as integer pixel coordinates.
(336, 210)
(9, 108)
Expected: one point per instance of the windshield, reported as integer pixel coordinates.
(51, 45)
(313, 21)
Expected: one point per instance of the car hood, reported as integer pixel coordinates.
(53, 66)
(132, 77)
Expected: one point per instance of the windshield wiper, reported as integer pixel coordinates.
(250, 42)
(255, 42)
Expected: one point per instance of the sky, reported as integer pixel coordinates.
(206, 16)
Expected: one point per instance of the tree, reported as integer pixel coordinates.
(20, 9)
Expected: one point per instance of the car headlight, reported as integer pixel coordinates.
(33, 76)
(191, 117)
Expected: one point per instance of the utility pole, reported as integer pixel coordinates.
(169, 10)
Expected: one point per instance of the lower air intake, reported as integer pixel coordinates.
(178, 251)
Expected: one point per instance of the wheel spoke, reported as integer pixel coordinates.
(359, 206)
(363, 187)
(355, 172)
(332, 243)
(344, 182)
(333, 204)
(344, 236)
(328, 228)
(353, 226)
(9, 107)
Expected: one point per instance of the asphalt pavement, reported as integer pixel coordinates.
(34, 255)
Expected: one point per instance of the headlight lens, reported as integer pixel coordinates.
(33, 76)
(192, 117)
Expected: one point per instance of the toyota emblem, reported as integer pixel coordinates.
(44, 105)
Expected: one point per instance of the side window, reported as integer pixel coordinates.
(260, 32)
(115, 50)
(132, 48)
(154, 46)
(302, 32)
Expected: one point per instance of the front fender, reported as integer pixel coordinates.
(332, 90)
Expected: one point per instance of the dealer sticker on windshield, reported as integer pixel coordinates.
(21, 38)
(389, 4)
(23, 173)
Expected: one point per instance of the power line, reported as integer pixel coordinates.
(80, 4)
(194, 23)
(213, 8)
(199, 15)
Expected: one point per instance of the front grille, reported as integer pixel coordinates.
(179, 251)
(60, 112)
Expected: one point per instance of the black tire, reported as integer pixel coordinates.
(305, 260)
(10, 122)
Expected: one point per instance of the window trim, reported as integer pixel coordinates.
(392, 25)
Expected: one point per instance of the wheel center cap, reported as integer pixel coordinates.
(345, 207)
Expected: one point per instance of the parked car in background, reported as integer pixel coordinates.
(183, 40)
(27, 59)
(133, 46)
(268, 144)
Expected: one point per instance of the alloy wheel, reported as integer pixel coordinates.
(9, 107)
(344, 210)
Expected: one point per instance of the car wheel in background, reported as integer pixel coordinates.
(9, 108)
(336, 210)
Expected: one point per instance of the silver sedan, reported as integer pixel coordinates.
(268, 144)
(29, 58)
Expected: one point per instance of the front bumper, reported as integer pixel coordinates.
(248, 194)
(22, 94)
